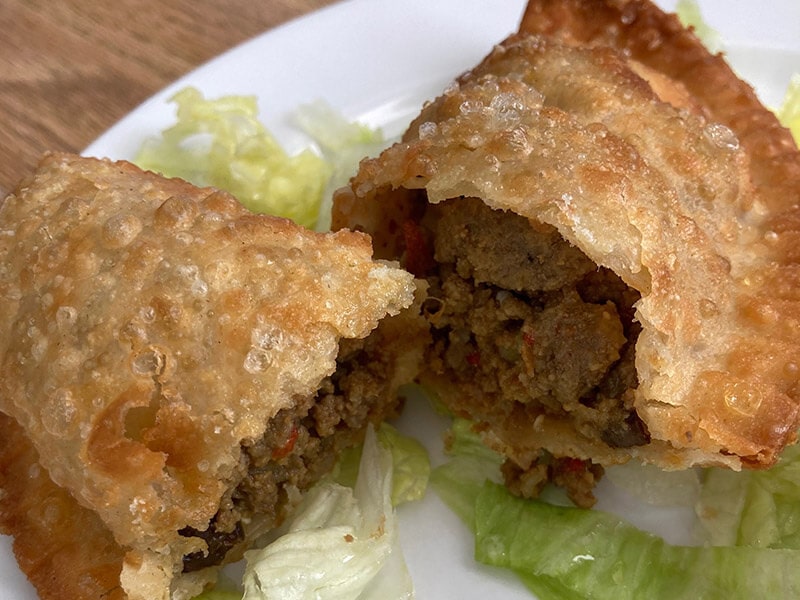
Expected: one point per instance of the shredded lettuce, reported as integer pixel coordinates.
(224, 589)
(411, 465)
(567, 552)
(754, 508)
(688, 12)
(222, 143)
(789, 113)
(561, 552)
(343, 144)
(471, 464)
(215, 594)
(341, 544)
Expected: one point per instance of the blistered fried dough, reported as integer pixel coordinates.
(657, 40)
(54, 537)
(680, 343)
(162, 350)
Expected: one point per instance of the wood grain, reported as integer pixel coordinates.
(69, 69)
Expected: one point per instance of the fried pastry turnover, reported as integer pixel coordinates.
(606, 217)
(176, 371)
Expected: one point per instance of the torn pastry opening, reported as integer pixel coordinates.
(596, 267)
(527, 328)
(300, 445)
(180, 390)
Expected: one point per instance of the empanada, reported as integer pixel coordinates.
(176, 371)
(611, 263)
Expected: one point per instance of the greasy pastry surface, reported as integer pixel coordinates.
(658, 41)
(699, 224)
(655, 43)
(149, 327)
(54, 536)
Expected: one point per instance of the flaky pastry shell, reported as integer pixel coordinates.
(148, 329)
(693, 203)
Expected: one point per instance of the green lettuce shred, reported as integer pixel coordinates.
(789, 113)
(220, 594)
(760, 509)
(562, 552)
(342, 542)
(411, 465)
(567, 552)
(225, 589)
(459, 481)
(221, 143)
(343, 144)
(688, 12)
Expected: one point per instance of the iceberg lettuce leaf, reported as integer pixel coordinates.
(789, 112)
(221, 143)
(341, 544)
(589, 553)
(688, 12)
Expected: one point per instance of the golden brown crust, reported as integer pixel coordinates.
(50, 529)
(673, 202)
(148, 327)
(658, 41)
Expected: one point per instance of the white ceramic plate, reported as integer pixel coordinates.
(377, 61)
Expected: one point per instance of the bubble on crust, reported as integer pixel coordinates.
(267, 336)
(199, 288)
(184, 237)
(211, 218)
(721, 136)
(743, 399)
(257, 360)
(517, 141)
(151, 362)
(470, 106)
(120, 230)
(59, 413)
(51, 511)
(219, 273)
(265, 341)
(147, 314)
(85, 264)
(493, 163)
(39, 343)
(66, 317)
(188, 272)
(507, 108)
(175, 213)
(791, 370)
(428, 130)
(708, 308)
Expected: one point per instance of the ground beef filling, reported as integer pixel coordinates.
(300, 445)
(519, 314)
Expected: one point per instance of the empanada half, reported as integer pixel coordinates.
(610, 276)
(178, 371)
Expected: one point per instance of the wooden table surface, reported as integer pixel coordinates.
(69, 69)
